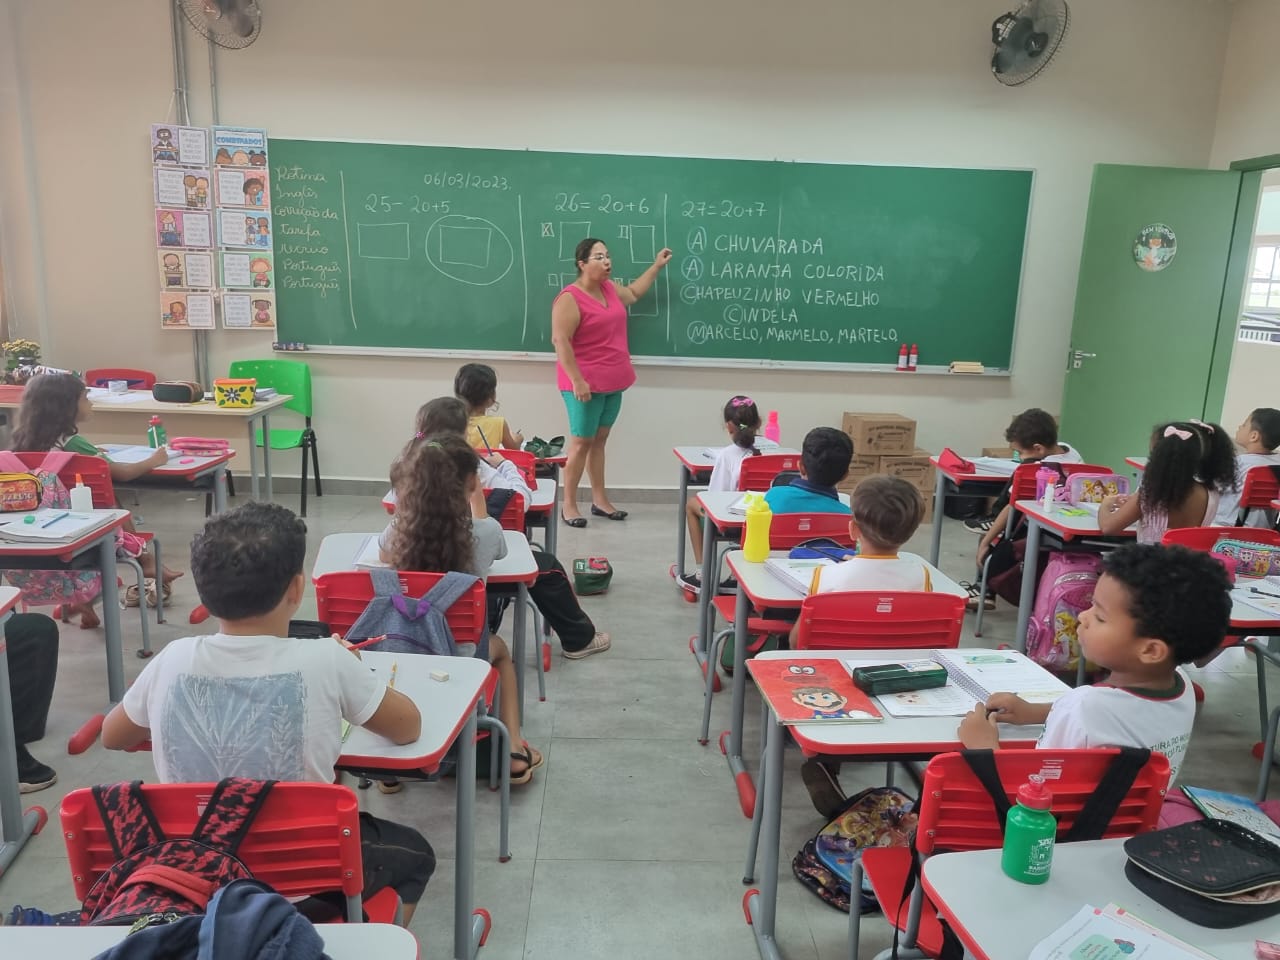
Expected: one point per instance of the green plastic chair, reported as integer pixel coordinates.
(294, 378)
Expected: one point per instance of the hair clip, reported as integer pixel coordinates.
(741, 402)
(419, 435)
(434, 444)
(1172, 431)
(1207, 427)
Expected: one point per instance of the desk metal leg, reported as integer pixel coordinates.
(467, 930)
(518, 645)
(15, 826)
(939, 499)
(737, 766)
(253, 460)
(220, 488)
(266, 454)
(111, 618)
(762, 905)
(1027, 596)
(681, 523)
(703, 636)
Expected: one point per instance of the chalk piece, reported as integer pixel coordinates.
(439, 675)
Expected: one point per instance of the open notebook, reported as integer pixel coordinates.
(52, 526)
(973, 675)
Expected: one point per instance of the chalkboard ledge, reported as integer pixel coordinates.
(930, 370)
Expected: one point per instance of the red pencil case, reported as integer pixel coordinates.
(948, 459)
(199, 446)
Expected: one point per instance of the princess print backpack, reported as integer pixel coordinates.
(1065, 591)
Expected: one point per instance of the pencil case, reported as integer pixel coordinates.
(199, 446)
(1253, 560)
(1094, 487)
(899, 677)
(228, 392)
(177, 391)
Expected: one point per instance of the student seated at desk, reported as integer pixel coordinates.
(441, 524)
(1190, 463)
(1258, 437)
(825, 456)
(1154, 608)
(886, 514)
(53, 407)
(742, 423)
(552, 593)
(249, 701)
(476, 385)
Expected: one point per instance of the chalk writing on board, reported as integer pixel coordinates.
(471, 250)
(723, 208)
(465, 180)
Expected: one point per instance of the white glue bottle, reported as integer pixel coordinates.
(81, 496)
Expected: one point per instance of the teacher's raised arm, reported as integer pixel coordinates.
(593, 366)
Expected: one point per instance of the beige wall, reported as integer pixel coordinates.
(877, 81)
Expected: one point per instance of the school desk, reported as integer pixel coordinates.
(15, 826)
(1138, 463)
(967, 887)
(890, 739)
(183, 472)
(449, 709)
(1063, 528)
(518, 569)
(342, 941)
(980, 483)
(138, 403)
(759, 589)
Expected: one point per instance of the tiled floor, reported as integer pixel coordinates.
(629, 843)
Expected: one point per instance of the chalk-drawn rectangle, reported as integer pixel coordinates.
(382, 241)
(643, 243)
(566, 279)
(571, 233)
(465, 246)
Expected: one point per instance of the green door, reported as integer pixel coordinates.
(1143, 339)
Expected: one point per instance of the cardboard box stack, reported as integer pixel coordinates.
(886, 443)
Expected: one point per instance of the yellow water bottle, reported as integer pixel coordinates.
(755, 548)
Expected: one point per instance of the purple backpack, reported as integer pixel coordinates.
(1064, 592)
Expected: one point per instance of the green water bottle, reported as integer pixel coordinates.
(1029, 833)
(156, 436)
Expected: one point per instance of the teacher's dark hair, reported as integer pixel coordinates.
(582, 252)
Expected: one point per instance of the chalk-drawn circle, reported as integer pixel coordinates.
(471, 250)
(692, 268)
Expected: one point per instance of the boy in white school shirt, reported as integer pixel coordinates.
(1258, 437)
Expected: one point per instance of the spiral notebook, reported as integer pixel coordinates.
(972, 676)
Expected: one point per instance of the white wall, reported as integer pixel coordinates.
(877, 81)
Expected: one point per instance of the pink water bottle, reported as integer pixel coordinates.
(771, 430)
(1045, 477)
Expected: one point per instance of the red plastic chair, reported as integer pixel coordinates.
(512, 516)
(758, 472)
(1261, 486)
(137, 379)
(956, 813)
(96, 474)
(875, 620)
(305, 840)
(1205, 538)
(524, 461)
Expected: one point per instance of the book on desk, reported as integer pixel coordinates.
(52, 526)
(798, 574)
(812, 691)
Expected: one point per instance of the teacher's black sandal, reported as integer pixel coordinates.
(573, 521)
(614, 515)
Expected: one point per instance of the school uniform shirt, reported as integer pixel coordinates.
(1106, 716)
(801, 496)
(486, 534)
(505, 476)
(873, 573)
(268, 708)
(491, 427)
(728, 468)
(1070, 455)
(1229, 505)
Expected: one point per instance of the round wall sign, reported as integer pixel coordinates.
(1155, 247)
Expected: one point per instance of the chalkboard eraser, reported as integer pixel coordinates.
(967, 366)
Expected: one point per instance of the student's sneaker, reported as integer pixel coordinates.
(729, 585)
(690, 582)
(389, 785)
(599, 644)
(823, 784)
(979, 525)
(975, 597)
(32, 774)
(21, 916)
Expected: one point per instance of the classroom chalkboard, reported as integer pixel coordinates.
(394, 246)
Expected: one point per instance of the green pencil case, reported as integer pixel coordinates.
(899, 677)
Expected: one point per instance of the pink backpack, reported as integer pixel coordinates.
(1064, 592)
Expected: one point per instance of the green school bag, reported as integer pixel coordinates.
(591, 576)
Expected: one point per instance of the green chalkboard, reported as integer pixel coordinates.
(457, 249)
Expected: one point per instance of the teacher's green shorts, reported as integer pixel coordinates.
(587, 418)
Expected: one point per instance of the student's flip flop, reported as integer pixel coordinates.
(615, 515)
(520, 779)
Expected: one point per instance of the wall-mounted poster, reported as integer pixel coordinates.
(243, 188)
(183, 228)
(248, 271)
(240, 147)
(179, 187)
(186, 311)
(249, 311)
(244, 228)
(171, 143)
(185, 268)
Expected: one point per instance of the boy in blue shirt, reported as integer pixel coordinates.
(824, 462)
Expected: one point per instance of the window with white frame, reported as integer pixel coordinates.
(1263, 291)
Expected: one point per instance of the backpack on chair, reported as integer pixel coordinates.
(1065, 591)
(156, 876)
(410, 624)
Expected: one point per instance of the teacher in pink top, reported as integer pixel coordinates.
(593, 367)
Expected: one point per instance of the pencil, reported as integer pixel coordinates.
(485, 439)
(364, 643)
(392, 681)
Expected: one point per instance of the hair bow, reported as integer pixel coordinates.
(1206, 427)
(1172, 431)
(418, 435)
(741, 402)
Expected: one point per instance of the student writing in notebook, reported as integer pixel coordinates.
(1154, 609)
(1258, 437)
(886, 513)
(476, 385)
(741, 423)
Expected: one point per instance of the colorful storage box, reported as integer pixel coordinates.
(234, 393)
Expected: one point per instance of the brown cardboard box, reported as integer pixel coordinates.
(1000, 453)
(861, 467)
(914, 468)
(880, 433)
(928, 510)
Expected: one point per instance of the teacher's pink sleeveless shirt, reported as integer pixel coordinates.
(600, 343)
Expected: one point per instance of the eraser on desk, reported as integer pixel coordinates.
(440, 675)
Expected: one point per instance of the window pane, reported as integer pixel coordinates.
(1258, 294)
(1274, 299)
(1264, 262)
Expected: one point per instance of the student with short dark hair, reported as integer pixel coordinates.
(824, 461)
(249, 701)
(1257, 437)
(1154, 609)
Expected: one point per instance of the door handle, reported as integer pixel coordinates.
(1078, 357)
